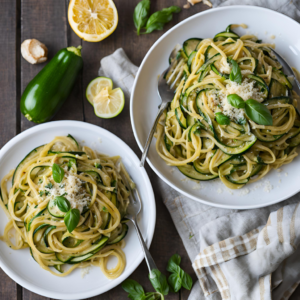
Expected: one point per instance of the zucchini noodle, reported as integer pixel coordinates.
(92, 184)
(188, 134)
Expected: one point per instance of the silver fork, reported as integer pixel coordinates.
(165, 91)
(289, 72)
(133, 210)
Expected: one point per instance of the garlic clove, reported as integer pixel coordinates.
(34, 51)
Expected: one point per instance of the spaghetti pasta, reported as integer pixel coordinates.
(90, 183)
(238, 151)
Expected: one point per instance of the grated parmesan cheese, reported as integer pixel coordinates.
(71, 188)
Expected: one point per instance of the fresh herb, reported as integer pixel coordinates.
(98, 166)
(236, 101)
(49, 186)
(40, 180)
(222, 119)
(57, 173)
(141, 14)
(71, 219)
(258, 113)
(178, 278)
(136, 291)
(47, 193)
(62, 185)
(160, 18)
(260, 160)
(62, 203)
(114, 184)
(41, 193)
(241, 121)
(235, 74)
(71, 162)
(104, 208)
(191, 236)
(159, 282)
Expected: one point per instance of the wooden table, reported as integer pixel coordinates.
(46, 20)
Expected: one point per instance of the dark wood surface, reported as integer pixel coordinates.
(47, 21)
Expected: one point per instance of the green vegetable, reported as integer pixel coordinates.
(49, 89)
(71, 219)
(62, 203)
(141, 14)
(258, 113)
(57, 173)
(49, 185)
(178, 278)
(159, 282)
(160, 18)
(222, 119)
(236, 101)
(235, 74)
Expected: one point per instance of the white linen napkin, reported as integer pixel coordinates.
(242, 254)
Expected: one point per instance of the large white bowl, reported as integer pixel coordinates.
(19, 264)
(144, 102)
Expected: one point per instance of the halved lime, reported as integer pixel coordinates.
(107, 102)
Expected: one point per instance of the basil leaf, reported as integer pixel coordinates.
(222, 119)
(62, 203)
(235, 74)
(135, 290)
(159, 282)
(71, 219)
(236, 101)
(160, 18)
(258, 113)
(173, 263)
(174, 281)
(57, 173)
(187, 281)
(141, 14)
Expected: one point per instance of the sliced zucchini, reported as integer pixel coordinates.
(63, 257)
(54, 210)
(71, 242)
(121, 236)
(36, 216)
(23, 161)
(207, 63)
(168, 143)
(260, 83)
(190, 60)
(80, 153)
(78, 259)
(222, 36)
(39, 228)
(256, 169)
(194, 129)
(277, 100)
(47, 231)
(190, 45)
(295, 141)
(73, 139)
(204, 73)
(95, 175)
(280, 77)
(58, 268)
(190, 172)
(180, 117)
(277, 89)
(209, 53)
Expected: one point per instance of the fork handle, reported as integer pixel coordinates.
(162, 107)
(149, 260)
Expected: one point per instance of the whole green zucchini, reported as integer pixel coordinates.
(49, 89)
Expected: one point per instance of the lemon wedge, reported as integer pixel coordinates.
(93, 20)
(107, 102)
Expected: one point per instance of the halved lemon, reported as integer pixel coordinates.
(93, 20)
(107, 102)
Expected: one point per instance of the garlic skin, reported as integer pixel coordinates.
(206, 2)
(34, 51)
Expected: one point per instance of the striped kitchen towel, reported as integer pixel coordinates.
(251, 265)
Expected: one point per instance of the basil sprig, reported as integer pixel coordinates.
(178, 278)
(141, 14)
(159, 282)
(71, 219)
(156, 21)
(160, 18)
(62, 203)
(72, 216)
(235, 74)
(222, 119)
(258, 113)
(57, 173)
(236, 101)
